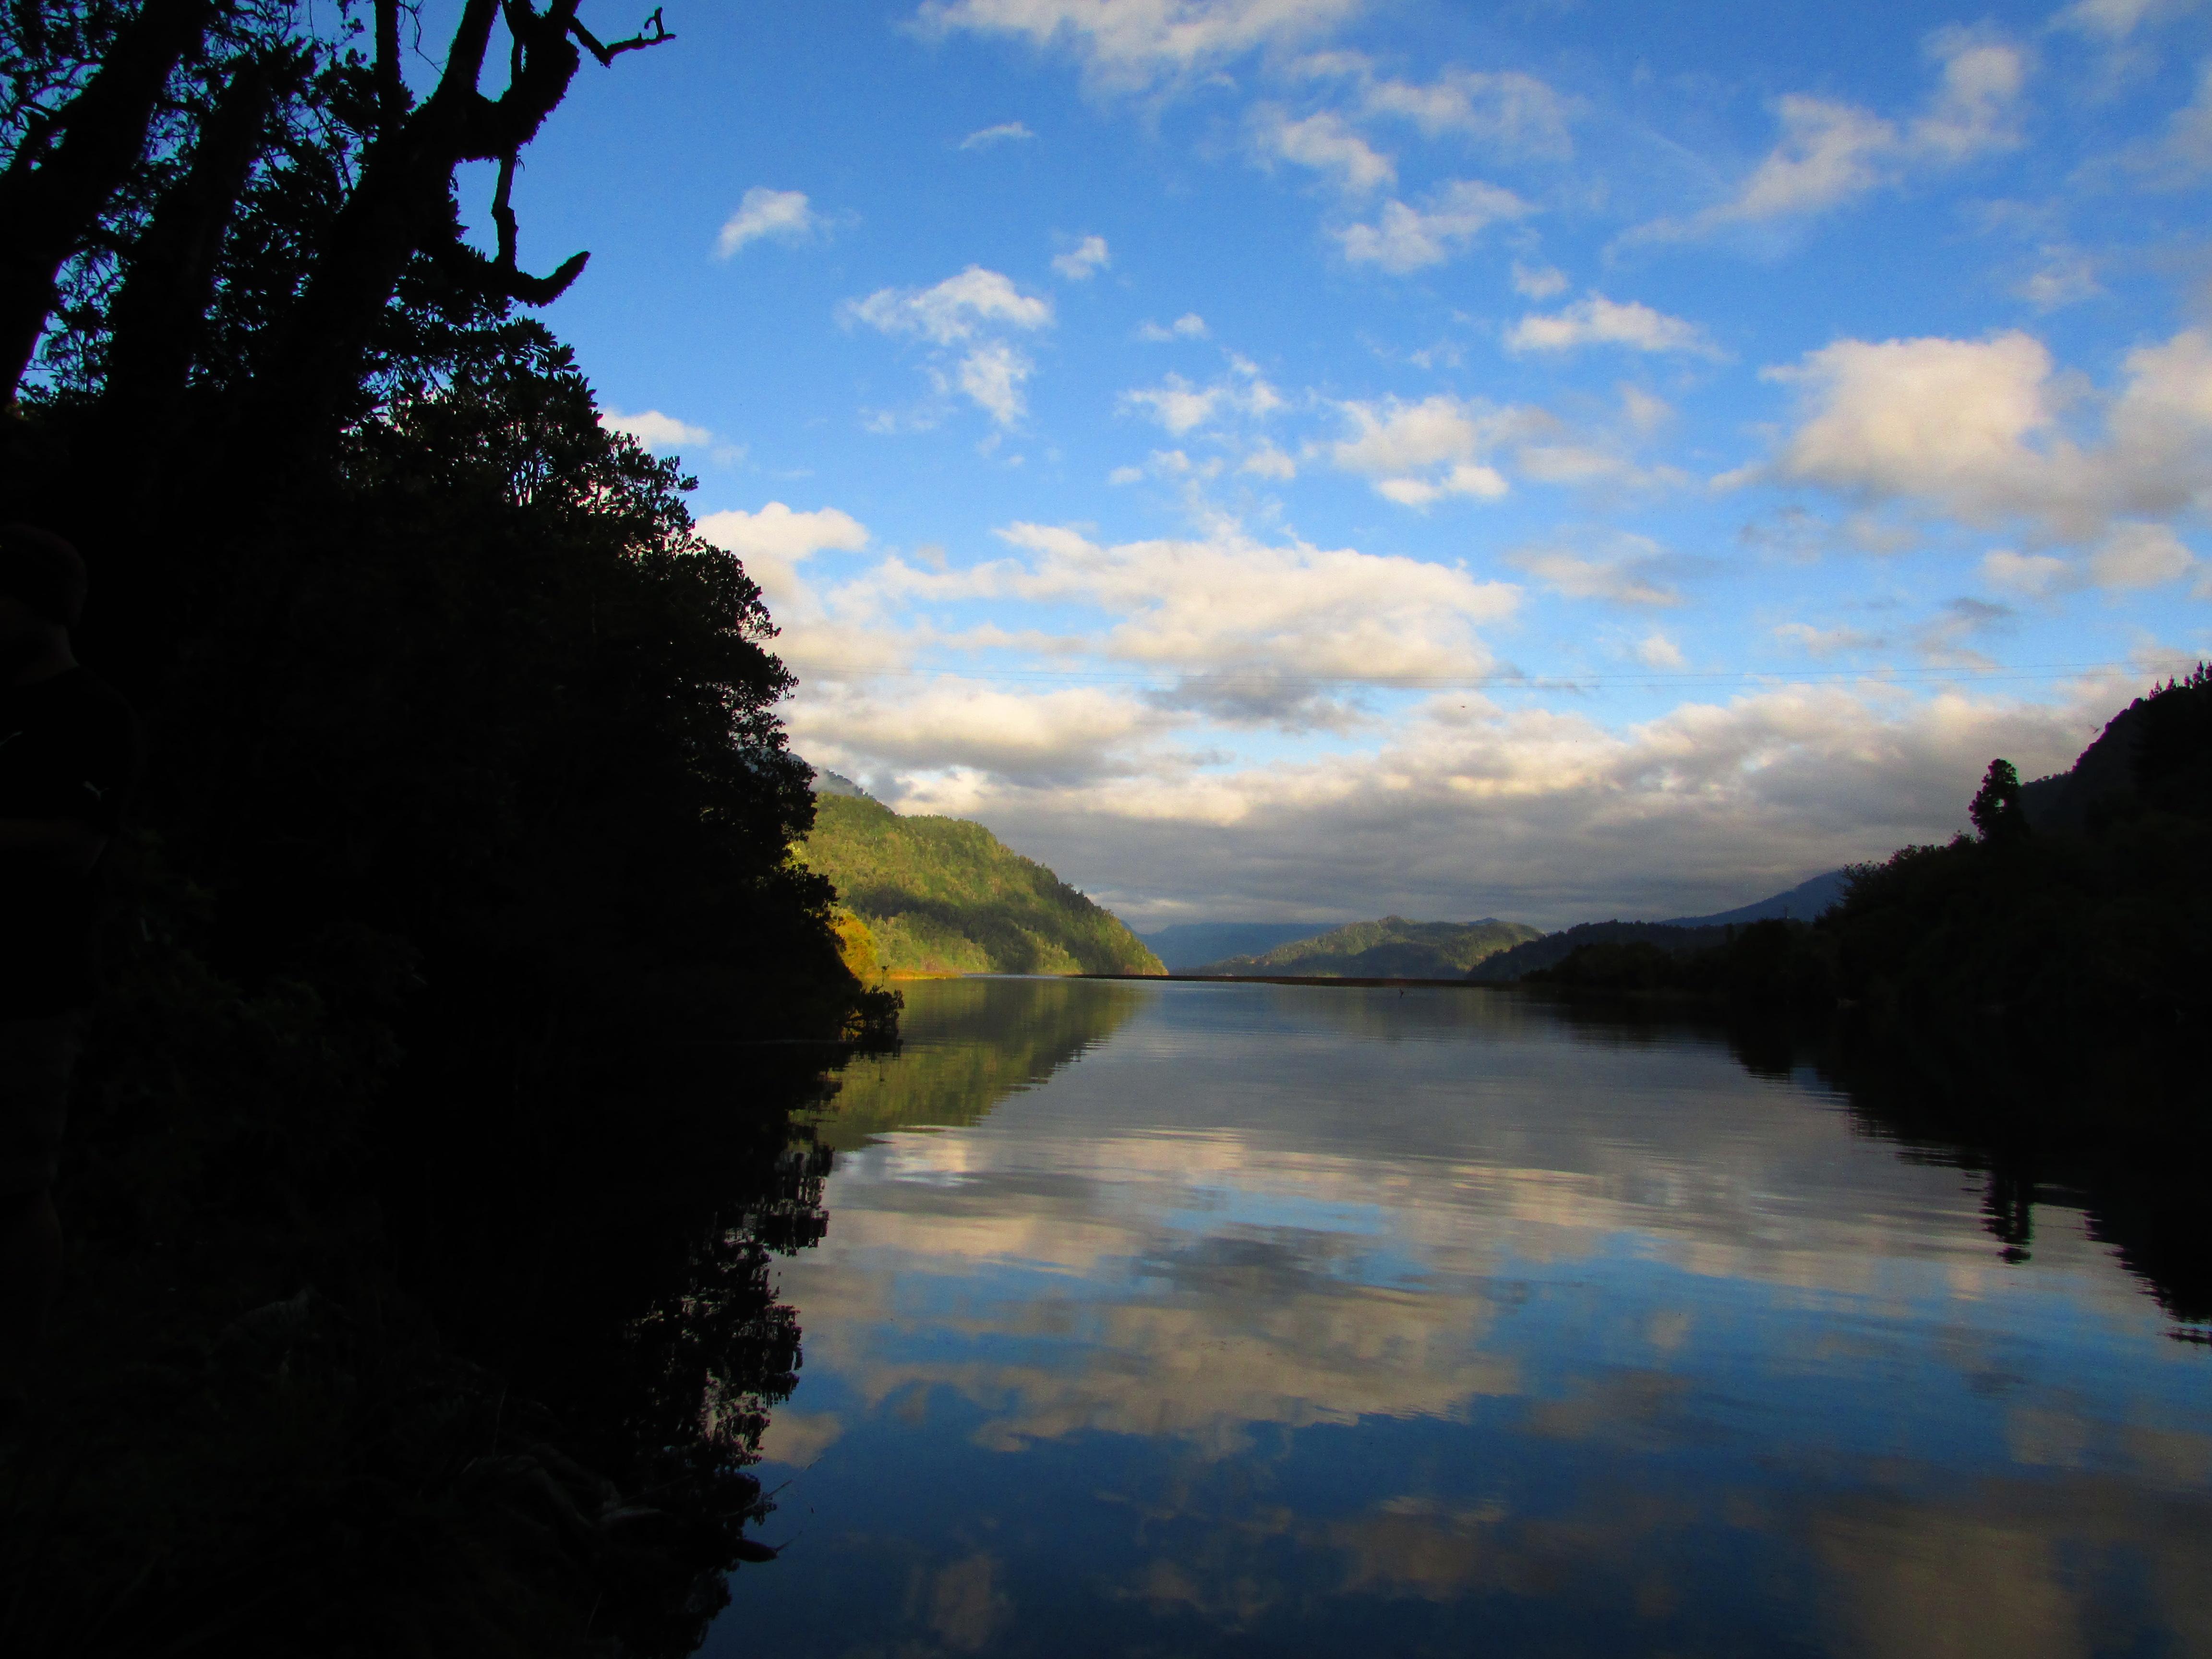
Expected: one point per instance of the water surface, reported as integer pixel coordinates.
(1214, 1319)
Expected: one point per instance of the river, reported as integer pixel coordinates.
(1239, 1319)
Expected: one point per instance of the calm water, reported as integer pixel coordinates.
(1190, 1319)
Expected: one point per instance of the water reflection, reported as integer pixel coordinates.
(1283, 1320)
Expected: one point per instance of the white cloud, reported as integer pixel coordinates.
(1631, 575)
(1599, 321)
(1473, 808)
(2139, 555)
(1420, 452)
(1084, 260)
(1655, 650)
(1324, 143)
(1005, 132)
(1505, 107)
(1180, 406)
(2183, 152)
(782, 215)
(1977, 107)
(2032, 576)
(1395, 442)
(655, 430)
(2115, 20)
(1188, 326)
(1131, 44)
(2063, 276)
(1403, 239)
(1268, 462)
(993, 373)
(1538, 282)
(1825, 642)
(1971, 429)
(954, 310)
(776, 541)
(1831, 152)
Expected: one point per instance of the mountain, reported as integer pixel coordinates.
(1189, 944)
(1801, 902)
(941, 895)
(1552, 948)
(1392, 948)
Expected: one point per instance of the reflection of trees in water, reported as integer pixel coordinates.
(968, 1043)
(624, 1284)
(2114, 1136)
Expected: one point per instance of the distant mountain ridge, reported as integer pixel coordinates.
(943, 895)
(1802, 903)
(1392, 948)
(1187, 945)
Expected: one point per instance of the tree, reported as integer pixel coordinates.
(1996, 809)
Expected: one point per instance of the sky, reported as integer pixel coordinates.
(1311, 459)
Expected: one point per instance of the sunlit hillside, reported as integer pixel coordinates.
(943, 895)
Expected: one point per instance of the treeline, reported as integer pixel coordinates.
(467, 823)
(2077, 916)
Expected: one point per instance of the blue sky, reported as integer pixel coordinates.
(1313, 459)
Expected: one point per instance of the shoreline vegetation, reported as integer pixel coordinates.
(420, 1226)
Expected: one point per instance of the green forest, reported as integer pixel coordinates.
(460, 875)
(943, 895)
(1392, 948)
(2074, 920)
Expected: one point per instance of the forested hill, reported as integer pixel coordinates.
(1392, 948)
(945, 895)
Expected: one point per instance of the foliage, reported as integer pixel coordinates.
(2089, 933)
(1392, 948)
(463, 984)
(945, 895)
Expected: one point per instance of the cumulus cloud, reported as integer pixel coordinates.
(765, 215)
(1971, 429)
(1133, 45)
(1504, 107)
(1538, 282)
(1188, 326)
(2115, 20)
(1229, 601)
(1599, 321)
(968, 310)
(1007, 132)
(1324, 143)
(955, 310)
(993, 373)
(1402, 238)
(1829, 152)
(1632, 574)
(656, 431)
(1417, 454)
(1826, 642)
(1084, 260)
(2032, 576)
(776, 541)
(2139, 555)
(1553, 818)
(1655, 650)
(1181, 406)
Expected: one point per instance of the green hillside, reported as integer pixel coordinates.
(943, 895)
(1392, 948)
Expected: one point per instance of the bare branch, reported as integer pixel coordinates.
(653, 33)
